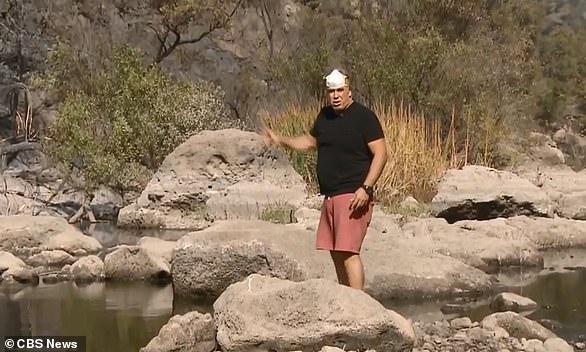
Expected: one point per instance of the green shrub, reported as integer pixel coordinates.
(117, 128)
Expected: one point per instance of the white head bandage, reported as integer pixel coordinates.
(336, 79)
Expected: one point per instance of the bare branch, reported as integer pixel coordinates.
(215, 24)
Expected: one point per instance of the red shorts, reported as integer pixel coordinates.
(339, 228)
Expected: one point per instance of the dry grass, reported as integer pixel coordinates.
(417, 153)
(294, 120)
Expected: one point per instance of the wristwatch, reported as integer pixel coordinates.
(369, 189)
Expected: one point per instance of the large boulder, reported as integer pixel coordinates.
(191, 332)
(216, 175)
(13, 269)
(25, 236)
(482, 193)
(206, 262)
(265, 313)
(487, 245)
(516, 325)
(566, 188)
(547, 233)
(129, 263)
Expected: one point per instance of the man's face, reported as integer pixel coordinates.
(339, 98)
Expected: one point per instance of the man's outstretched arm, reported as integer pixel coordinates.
(301, 143)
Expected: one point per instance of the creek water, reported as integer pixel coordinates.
(125, 316)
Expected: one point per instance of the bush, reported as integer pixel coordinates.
(487, 64)
(417, 153)
(117, 128)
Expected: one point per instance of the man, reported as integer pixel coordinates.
(351, 154)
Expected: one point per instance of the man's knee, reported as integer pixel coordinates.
(344, 256)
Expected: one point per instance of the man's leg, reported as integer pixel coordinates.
(349, 231)
(349, 269)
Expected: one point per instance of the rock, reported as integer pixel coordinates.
(555, 344)
(106, 204)
(461, 323)
(191, 332)
(129, 263)
(29, 235)
(158, 247)
(56, 258)
(88, 269)
(209, 268)
(503, 194)
(473, 242)
(534, 345)
(269, 313)
(508, 301)
(14, 270)
(567, 189)
(580, 345)
(331, 349)
(76, 244)
(216, 175)
(550, 233)
(206, 262)
(516, 325)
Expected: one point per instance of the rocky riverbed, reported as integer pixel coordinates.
(244, 211)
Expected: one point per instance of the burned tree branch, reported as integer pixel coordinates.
(166, 49)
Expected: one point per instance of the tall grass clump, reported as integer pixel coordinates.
(294, 120)
(418, 152)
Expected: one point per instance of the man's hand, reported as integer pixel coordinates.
(359, 200)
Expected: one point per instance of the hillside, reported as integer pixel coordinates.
(493, 71)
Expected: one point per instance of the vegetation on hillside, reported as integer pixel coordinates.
(489, 61)
(120, 120)
(468, 73)
(481, 72)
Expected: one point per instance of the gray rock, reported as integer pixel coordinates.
(128, 263)
(481, 193)
(14, 270)
(106, 204)
(29, 235)
(269, 313)
(556, 344)
(216, 175)
(191, 332)
(534, 345)
(88, 269)
(56, 258)
(202, 264)
(461, 323)
(209, 268)
(508, 301)
(517, 326)
(158, 247)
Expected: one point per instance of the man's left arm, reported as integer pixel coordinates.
(379, 150)
(378, 147)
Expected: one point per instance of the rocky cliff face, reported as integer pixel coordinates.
(235, 57)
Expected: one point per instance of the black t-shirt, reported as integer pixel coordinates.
(343, 156)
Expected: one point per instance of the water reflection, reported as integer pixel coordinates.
(561, 299)
(125, 316)
(113, 317)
